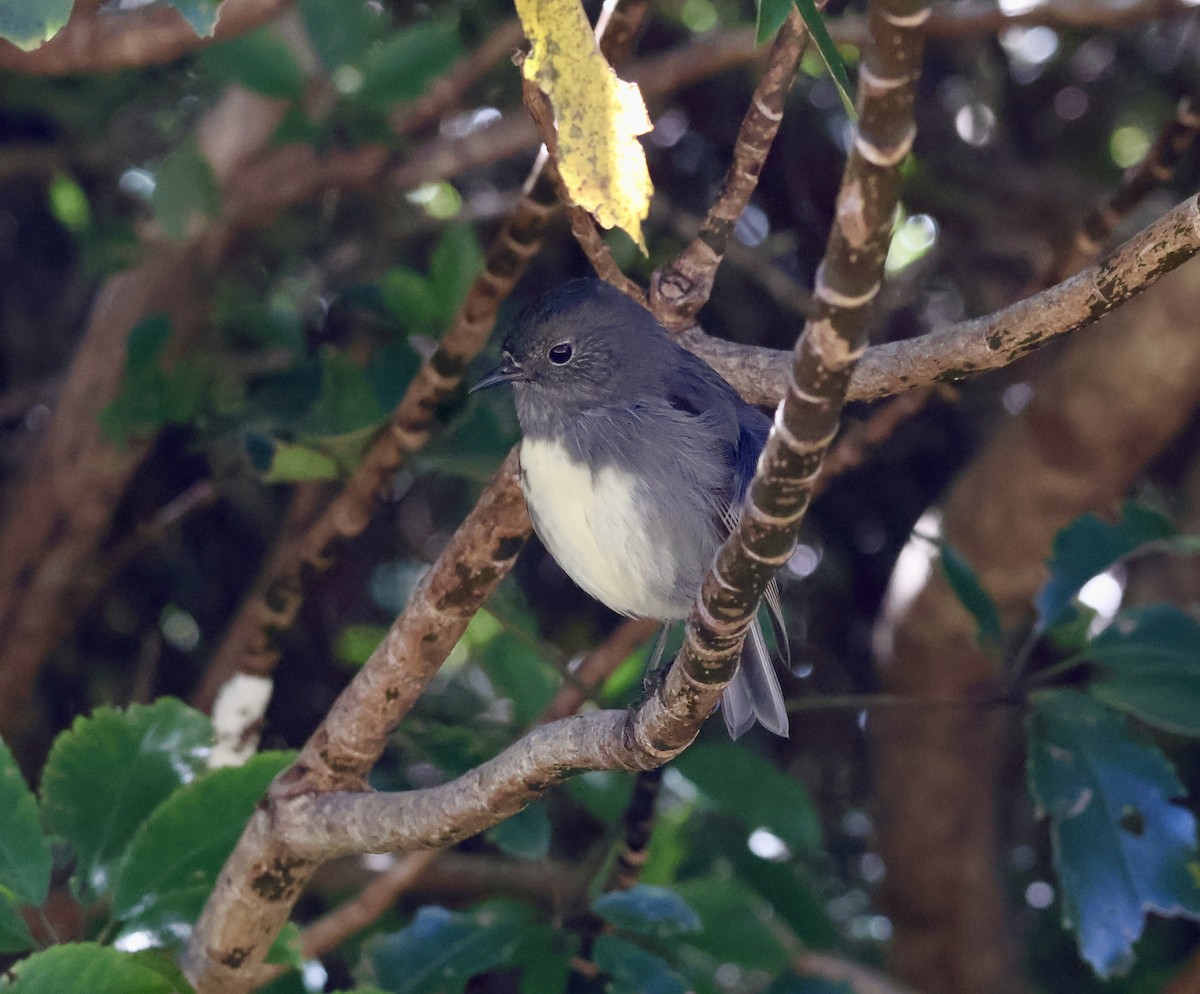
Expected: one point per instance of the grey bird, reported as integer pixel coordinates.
(635, 460)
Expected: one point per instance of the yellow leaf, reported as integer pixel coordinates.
(599, 115)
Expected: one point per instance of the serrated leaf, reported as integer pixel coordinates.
(200, 14)
(634, 970)
(745, 786)
(402, 67)
(829, 53)
(173, 861)
(14, 932)
(598, 115)
(648, 910)
(526, 835)
(972, 595)
(1151, 661)
(140, 755)
(440, 951)
(771, 15)
(85, 968)
(456, 261)
(30, 23)
(24, 850)
(184, 187)
(260, 61)
(1121, 847)
(1087, 547)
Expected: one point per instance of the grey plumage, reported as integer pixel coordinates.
(636, 456)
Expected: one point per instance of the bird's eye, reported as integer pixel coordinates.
(561, 353)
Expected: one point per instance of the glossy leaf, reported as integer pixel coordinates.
(402, 67)
(647, 910)
(260, 61)
(972, 595)
(173, 861)
(29, 23)
(85, 968)
(526, 835)
(24, 850)
(14, 933)
(1087, 547)
(441, 950)
(1151, 667)
(736, 924)
(140, 756)
(1121, 846)
(634, 970)
(745, 786)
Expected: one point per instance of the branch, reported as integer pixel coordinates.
(583, 227)
(264, 876)
(108, 40)
(984, 343)
(681, 288)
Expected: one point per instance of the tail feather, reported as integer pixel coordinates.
(754, 693)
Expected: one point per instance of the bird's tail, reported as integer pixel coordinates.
(754, 694)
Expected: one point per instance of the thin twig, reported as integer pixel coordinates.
(680, 289)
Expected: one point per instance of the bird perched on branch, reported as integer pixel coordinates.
(635, 460)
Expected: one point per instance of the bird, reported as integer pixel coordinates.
(635, 457)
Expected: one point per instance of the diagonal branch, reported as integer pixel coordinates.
(979, 344)
(680, 289)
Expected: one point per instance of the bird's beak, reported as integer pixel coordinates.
(506, 372)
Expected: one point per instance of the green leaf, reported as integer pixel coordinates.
(1151, 661)
(745, 786)
(411, 299)
(791, 984)
(633, 970)
(648, 910)
(971, 594)
(1087, 547)
(771, 15)
(260, 61)
(14, 932)
(526, 835)
(200, 14)
(24, 850)
(184, 187)
(356, 643)
(402, 67)
(736, 924)
(140, 755)
(85, 968)
(829, 53)
(456, 261)
(147, 340)
(290, 462)
(544, 957)
(286, 950)
(173, 861)
(1121, 847)
(340, 32)
(166, 964)
(29, 23)
(347, 401)
(391, 370)
(441, 950)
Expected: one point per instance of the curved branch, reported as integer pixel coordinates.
(105, 41)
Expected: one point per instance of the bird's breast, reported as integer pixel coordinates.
(596, 523)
